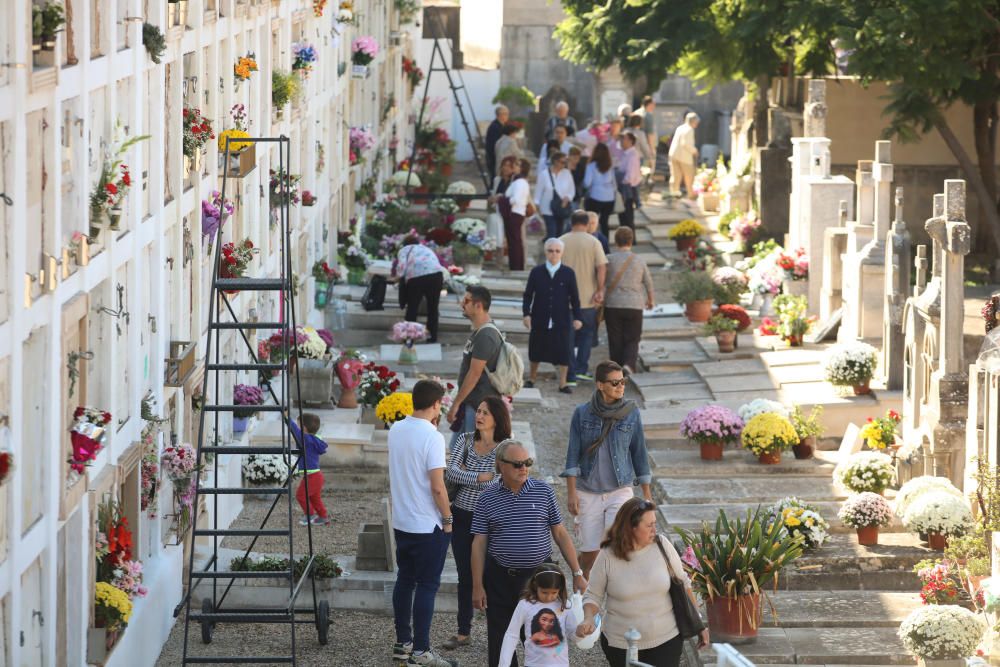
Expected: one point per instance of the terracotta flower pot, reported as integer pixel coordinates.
(734, 620)
(686, 243)
(862, 389)
(698, 311)
(446, 170)
(805, 448)
(711, 451)
(794, 341)
(868, 535)
(770, 458)
(463, 205)
(726, 341)
(937, 541)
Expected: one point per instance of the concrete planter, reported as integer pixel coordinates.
(315, 380)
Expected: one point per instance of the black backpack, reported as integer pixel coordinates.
(375, 294)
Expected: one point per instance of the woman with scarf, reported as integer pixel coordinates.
(606, 457)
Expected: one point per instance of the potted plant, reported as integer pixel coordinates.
(759, 406)
(349, 368)
(808, 429)
(851, 365)
(414, 75)
(363, 52)
(87, 436)
(112, 610)
(303, 57)
(53, 20)
(730, 284)
(918, 486)
(801, 520)
(796, 267)
(352, 254)
(326, 276)
(731, 564)
(214, 213)
(36, 31)
(285, 88)
(360, 140)
(766, 435)
(712, 427)
(942, 635)
(881, 432)
(265, 470)
(724, 330)
(376, 383)
(866, 512)
(939, 514)
(250, 396)
(866, 471)
(696, 291)
(394, 407)
(154, 41)
(463, 189)
(242, 154)
(685, 234)
(793, 322)
(736, 313)
(408, 333)
(235, 260)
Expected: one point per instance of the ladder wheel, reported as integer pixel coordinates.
(323, 622)
(207, 626)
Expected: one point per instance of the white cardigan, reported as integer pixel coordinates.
(543, 189)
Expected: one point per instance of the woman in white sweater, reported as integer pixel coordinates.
(554, 182)
(631, 582)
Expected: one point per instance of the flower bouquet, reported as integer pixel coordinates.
(794, 264)
(793, 322)
(303, 57)
(881, 432)
(743, 229)
(326, 276)
(112, 184)
(712, 427)
(236, 258)
(766, 435)
(759, 406)
(918, 486)
(283, 188)
(444, 207)
(197, 131)
(685, 233)
(265, 469)
(361, 140)
(6, 465)
(414, 75)
(250, 396)
(363, 52)
(377, 382)
(942, 632)
(349, 368)
(214, 212)
(112, 607)
(242, 154)
(244, 67)
(942, 582)
(180, 465)
(87, 436)
(808, 429)
(408, 333)
(852, 365)
(802, 520)
(394, 407)
(765, 276)
(730, 284)
(149, 471)
(470, 233)
(113, 545)
(866, 471)
(940, 515)
(866, 512)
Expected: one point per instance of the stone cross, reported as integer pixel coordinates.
(814, 113)
(897, 285)
(882, 175)
(954, 235)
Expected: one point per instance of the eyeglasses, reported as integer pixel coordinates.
(526, 463)
(643, 507)
(555, 250)
(614, 383)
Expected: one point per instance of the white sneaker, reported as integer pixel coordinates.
(304, 521)
(431, 659)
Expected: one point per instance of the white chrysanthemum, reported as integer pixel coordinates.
(866, 471)
(265, 469)
(938, 512)
(759, 406)
(943, 631)
(850, 363)
(918, 486)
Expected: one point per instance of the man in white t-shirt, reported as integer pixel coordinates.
(421, 521)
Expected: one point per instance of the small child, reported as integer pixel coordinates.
(309, 465)
(545, 618)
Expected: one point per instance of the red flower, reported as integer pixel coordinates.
(78, 413)
(230, 260)
(893, 415)
(195, 129)
(248, 244)
(126, 179)
(393, 385)
(111, 188)
(106, 416)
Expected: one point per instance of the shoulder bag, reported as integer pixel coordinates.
(454, 487)
(559, 211)
(614, 284)
(689, 623)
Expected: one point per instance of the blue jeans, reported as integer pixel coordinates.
(461, 548)
(553, 227)
(468, 413)
(419, 561)
(583, 340)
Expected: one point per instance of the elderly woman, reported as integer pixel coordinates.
(515, 206)
(506, 145)
(629, 291)
(493, 134)
(551, 305)
(471, 466)
(560, 118)
(555, 185)
(631, 581)
(421, 276)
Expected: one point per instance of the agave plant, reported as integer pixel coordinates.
(739, 557)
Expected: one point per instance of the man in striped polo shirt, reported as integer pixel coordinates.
(514, 524)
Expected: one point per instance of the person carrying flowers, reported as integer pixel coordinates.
(312, 447)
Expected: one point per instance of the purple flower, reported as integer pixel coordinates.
(326, 336)
(712, 423)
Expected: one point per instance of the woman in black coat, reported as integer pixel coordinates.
(551, 307)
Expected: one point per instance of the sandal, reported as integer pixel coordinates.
(454, 642)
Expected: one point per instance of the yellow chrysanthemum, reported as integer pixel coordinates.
(768, 432)
(686, 229)
(394, 407)
(113, 604)
(792, 521)
(234, 146)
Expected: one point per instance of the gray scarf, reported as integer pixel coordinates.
(609, 413)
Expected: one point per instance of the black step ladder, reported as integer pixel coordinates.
(222, 319)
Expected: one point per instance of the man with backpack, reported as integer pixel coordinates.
(490, 365)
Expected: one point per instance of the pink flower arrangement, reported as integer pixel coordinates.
(408, 332)
(795, 265)
(363, 50)
(744, 227)
(128, 577)
(361, 140)
(712, 423)
(601, 131)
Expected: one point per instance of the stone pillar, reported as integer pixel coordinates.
(834, 248)
(814, 111)
(859, 232)
(897, 287)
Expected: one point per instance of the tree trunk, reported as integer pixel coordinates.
(760, 121)
(972, 174)
(984, 131)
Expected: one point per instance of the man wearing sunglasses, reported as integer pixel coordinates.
(605, 459)
(515, 522)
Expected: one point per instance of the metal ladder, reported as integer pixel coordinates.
(438, 54)
(222, 319)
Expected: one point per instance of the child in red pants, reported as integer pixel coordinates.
(314, 511)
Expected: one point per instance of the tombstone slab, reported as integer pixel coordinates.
(727, 368)
(740, 383)
(689, 392)
(643, 380)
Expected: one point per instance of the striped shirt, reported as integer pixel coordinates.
(518, 528)
(468, 492)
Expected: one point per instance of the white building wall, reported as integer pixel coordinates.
(54, 123)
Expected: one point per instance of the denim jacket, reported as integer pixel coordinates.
(626, 439)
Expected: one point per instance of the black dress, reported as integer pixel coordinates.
(552, 302)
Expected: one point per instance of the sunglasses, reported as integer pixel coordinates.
(614, 383)
(526, 463)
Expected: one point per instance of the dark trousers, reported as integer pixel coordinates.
(553, 227)
(461, 548)
(624, 333)
(583, 340)
(627, 217)
(419, 560)
(667, 654)
(420, 288)
(503, 592)
(603, 209)
(512, 226)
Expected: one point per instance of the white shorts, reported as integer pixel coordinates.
(597, 513)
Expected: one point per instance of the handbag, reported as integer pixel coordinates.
(611, 287)
(454, 487)
(689, 623)
(559, 211)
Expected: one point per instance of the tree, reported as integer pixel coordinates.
(935, 53)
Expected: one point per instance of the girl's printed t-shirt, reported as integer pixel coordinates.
(547, 629)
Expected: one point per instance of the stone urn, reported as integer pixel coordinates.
(315, 381)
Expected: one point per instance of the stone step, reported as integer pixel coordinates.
(757, 489)
(839, 609)
(691, 516)
(677, 462)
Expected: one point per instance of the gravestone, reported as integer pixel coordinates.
(860, 231)
(376, 544)
(815, 109)
(897, 286)
(832, 281)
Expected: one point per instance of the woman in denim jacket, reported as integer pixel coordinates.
(605, 459)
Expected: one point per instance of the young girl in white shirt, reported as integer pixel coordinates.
(545, 617)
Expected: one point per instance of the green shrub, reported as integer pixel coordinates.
(694, 286)
(515, 96)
